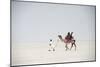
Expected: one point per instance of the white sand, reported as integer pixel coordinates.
(37, 53)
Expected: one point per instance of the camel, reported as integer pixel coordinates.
(72, 41)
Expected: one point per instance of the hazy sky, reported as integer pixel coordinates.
(39, 22)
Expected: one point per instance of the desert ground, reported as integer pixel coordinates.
(37, 53)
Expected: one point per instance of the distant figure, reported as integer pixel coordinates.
(52, 47)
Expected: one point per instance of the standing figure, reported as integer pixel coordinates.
(52, 46)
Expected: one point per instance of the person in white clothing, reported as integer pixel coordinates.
(52, 46)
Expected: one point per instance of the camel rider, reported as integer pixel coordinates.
(69, 36)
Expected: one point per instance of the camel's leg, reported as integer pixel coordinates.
(74, 45)
(66, 47)
(71, 46)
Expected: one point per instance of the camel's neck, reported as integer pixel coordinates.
(61, 39)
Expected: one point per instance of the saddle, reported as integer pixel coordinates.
(68, 38)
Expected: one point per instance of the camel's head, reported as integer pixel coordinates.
(60, 37)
